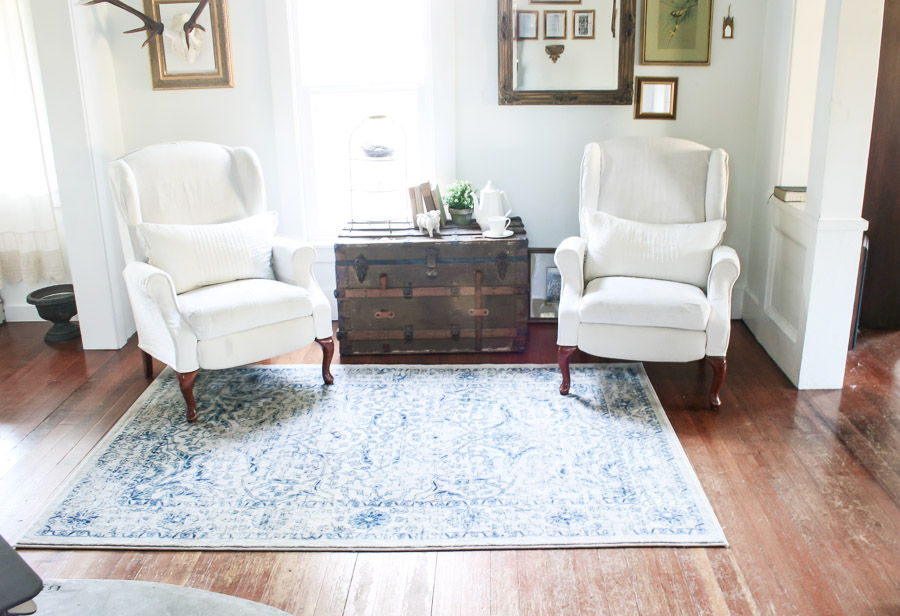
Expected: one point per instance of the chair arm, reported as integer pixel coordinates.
(293, 263)
(569, 258)
(162, 330)
(723, 273)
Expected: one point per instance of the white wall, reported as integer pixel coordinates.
(802, 273)
(238, 116)
(533, 152)
(83, 114)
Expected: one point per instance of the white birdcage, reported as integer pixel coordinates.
(378, 191)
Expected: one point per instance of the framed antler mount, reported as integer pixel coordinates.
(189, 45)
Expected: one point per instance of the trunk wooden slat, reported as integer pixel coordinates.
(400, 291)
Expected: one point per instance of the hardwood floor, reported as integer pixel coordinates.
(806, 486)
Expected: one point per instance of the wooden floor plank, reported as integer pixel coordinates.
(701, 582)
(462, 584)
(547, 583)
(618, 581)
(296, 581)
(590, 585)
(504, 583)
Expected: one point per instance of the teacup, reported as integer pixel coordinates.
(498, 224)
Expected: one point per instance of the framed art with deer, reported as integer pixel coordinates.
(189, 58)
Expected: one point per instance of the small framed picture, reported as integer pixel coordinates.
(554, 1)
(545, 285)
(526, 25)
(655, 98)
(583, 24)
(554, 24)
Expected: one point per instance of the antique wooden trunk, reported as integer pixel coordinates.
(399, 291)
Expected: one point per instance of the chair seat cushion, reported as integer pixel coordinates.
(231, 307)
(618, 300)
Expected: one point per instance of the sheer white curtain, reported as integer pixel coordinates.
(29, 242)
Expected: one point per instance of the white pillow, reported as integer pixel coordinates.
(201, 255)
(677, 252)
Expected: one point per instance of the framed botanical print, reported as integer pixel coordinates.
(203, 61)
(676, 31)
(526, 25)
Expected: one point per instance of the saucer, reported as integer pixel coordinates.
(497, 236)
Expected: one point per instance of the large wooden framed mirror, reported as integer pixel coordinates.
(566, 52)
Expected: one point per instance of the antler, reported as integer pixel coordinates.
(191, 23)
(153, 28)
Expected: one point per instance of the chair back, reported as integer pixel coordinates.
(654, 179)
(184, 183)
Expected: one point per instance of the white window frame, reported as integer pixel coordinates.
(291, 193)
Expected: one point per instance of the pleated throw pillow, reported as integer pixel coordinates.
(676, 252)
(200, 255)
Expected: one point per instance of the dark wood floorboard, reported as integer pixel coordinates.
(805, 483)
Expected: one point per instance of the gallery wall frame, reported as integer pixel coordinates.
(621, 94)
(676, 32)
(206, 62)
(555, 24)
(526, 25)
(583, 24)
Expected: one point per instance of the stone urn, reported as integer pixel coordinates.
(57, 305)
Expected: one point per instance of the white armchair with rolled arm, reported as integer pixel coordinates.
(648, 278)
(210, 284)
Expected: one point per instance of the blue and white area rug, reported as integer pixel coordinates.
(388, 458)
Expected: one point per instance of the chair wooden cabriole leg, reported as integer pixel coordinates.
(186, 381)
(720, 366)
(327, 345)
(148, 364)
(564, 354)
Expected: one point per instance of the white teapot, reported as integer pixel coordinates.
(490, 203)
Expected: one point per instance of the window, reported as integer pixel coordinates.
(355, 60)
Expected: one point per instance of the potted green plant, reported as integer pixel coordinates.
(460, 200)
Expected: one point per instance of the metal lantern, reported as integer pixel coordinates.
(378, 171)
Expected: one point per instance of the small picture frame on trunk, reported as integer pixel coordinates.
(546, 284)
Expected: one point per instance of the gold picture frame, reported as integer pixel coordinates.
(655, 98)
(676, 32)
(583, 24)
(206, 63)
(555, 25)
(526, 25)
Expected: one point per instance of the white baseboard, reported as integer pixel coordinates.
(20, 312)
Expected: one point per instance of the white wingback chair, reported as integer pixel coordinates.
(210, 285)
(647, 279)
